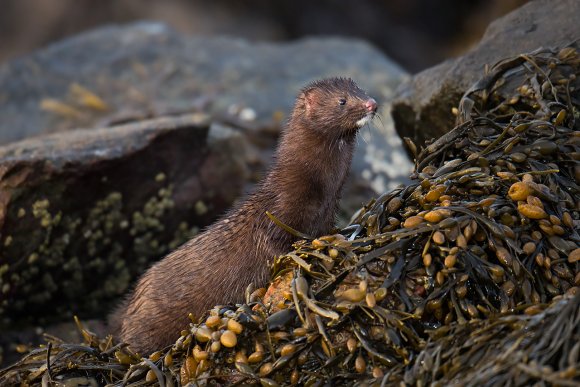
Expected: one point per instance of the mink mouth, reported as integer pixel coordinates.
(368, 117)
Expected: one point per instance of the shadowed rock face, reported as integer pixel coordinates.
(83, 212)
(421, 108)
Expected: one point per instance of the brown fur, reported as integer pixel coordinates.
(302, 190)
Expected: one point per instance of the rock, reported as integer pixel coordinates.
(421, 108)
(83, 212)
(142, 70)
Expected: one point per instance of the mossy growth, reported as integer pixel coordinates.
(81, 264)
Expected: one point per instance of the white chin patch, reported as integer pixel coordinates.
(363, 121)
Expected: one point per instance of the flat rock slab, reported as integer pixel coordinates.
(421, 108)
(83, 212)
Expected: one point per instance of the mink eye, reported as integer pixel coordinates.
(342, 101)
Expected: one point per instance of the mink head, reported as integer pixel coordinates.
(335, 107)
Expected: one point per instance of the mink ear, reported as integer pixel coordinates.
(308, 103)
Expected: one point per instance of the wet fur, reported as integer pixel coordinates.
(215, 267)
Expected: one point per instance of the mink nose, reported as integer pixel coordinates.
(371, 105)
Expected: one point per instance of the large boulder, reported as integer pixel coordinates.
(83, 212)
(421, 108)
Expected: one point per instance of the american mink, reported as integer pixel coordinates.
(302, 190)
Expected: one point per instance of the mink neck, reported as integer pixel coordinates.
(307, 178)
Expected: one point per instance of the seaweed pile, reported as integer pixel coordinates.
(471, 273)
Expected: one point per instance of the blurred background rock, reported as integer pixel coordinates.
(415, 33)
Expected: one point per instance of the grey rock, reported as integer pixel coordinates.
(422, 109)
(83, 212)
